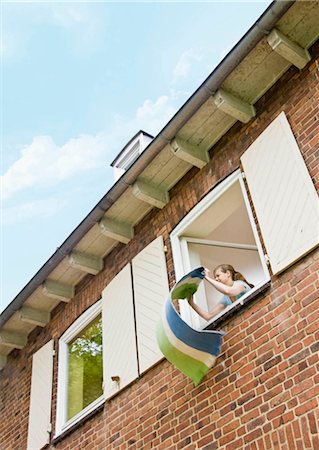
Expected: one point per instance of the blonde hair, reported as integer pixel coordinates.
(233, 273)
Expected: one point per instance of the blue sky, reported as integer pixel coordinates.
(78, 80)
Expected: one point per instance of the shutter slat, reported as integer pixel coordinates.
(40, 397)
(150, 291)
(119, 341)
(283, 195)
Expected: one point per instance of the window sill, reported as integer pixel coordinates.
(231, 310)
(79, 419)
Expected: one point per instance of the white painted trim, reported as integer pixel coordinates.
(192, 240)
(186, 312)
(209, 199)
(87, 410)
(82, 321)
(179, 242)
(61, 423)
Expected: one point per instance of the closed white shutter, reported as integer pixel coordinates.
(41, 394)
(150, 291)
(283, 194)
(119, 340)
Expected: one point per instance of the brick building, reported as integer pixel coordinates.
(233, 177)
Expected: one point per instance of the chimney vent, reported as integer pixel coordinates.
(130, 152)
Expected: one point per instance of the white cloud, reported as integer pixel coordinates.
(185, 63)
(152, 116)
(43, 163)
(30, 210)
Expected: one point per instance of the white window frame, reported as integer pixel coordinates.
(62, 424)
(180, 250)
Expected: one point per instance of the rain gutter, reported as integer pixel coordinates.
(262, 27)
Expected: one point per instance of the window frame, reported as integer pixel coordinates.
(180, 250)
(62, 424)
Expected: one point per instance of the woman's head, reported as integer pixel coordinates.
(224, 269)
(226, 272)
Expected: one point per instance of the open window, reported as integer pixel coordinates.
(80, 382)
(219, 230)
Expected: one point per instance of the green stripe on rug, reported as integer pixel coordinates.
(191, 367)
(184, 291)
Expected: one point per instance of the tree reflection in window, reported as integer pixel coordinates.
(85, 369)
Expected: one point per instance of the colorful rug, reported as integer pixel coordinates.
(191, 351)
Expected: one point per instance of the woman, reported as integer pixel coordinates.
(227, 281)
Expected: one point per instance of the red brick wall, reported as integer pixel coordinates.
(264, 391)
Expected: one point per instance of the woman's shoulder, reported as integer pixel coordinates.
(225, 300)
(242, 283)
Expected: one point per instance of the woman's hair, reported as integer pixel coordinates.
(234, 274)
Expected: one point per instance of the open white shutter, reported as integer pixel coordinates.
(283, 194)
(119, 340)
(150, 291)
(41, 394)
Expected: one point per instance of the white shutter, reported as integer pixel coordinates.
(41, 394)
(283, 194)
(150, 291)
(119, 340)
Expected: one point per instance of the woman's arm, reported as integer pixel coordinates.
(204, 314)
(234, 290)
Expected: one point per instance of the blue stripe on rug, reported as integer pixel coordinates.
(179, 342)
(206, 341)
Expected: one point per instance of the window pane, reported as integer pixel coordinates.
(85, 370)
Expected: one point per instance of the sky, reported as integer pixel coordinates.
(78, 80)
